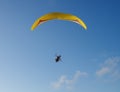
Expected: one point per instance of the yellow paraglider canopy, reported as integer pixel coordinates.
(59, 16)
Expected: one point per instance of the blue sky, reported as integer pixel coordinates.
(91, 58)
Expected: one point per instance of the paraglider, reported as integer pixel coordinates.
(58, 58)
(59, 16)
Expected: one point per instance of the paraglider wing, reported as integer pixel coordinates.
(60, 16)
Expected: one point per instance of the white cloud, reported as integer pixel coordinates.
(59, 83)
(76, 77)
(63, 81)
(110, 68)
(103, 71)
(70, 82)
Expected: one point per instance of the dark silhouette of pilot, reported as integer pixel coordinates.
(58, 58)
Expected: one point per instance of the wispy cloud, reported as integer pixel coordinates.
(59, 83)
(103, 71)
(63, 81)
(110, 68)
